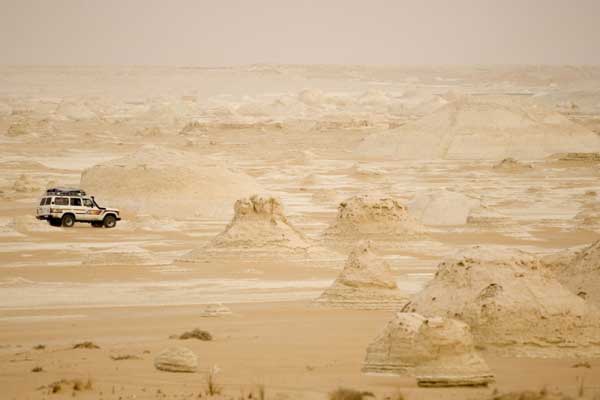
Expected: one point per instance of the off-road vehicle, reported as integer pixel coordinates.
(65, 206)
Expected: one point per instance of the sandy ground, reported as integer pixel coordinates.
(294, 349)
(52, 294)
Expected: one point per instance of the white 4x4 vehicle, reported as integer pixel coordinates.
(64, 207)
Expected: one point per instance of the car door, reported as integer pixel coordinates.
(78, 209)
(91, 212)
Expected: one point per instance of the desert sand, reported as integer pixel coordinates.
(250, 192)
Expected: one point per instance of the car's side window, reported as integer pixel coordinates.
(61, 201)
(75, 202)
(48, 201)
(43, 201)
(87, 203)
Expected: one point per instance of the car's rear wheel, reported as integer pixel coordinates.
(110, 221)
(98, 224)
(54, 221)
(68, 220)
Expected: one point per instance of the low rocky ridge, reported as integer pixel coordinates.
(513, 304)
(438, 351)
(578, 270)
(366, 282)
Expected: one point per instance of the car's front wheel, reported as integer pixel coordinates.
(68, 220)
(110, 221)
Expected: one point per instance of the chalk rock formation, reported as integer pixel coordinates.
(260, 221)
(512, 304)
(475, 128)
(578, 270)
(366, 282)
(167, 183)
(258, 228)
(438, 351)
(442, 207)
(176, 359)
(215, 310)
(366, 215)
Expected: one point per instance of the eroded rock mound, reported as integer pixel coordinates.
(168, 183)
(366, 215)
(260, 221)
(176, 359)
(438, 351)
(513, 305)
(366, 282)
(477, 128)
(259, 229)
(578, 270)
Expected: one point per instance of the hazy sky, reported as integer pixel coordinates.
(228, 32)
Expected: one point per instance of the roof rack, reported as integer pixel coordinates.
(65, 192)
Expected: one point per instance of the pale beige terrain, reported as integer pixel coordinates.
(175, 148)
